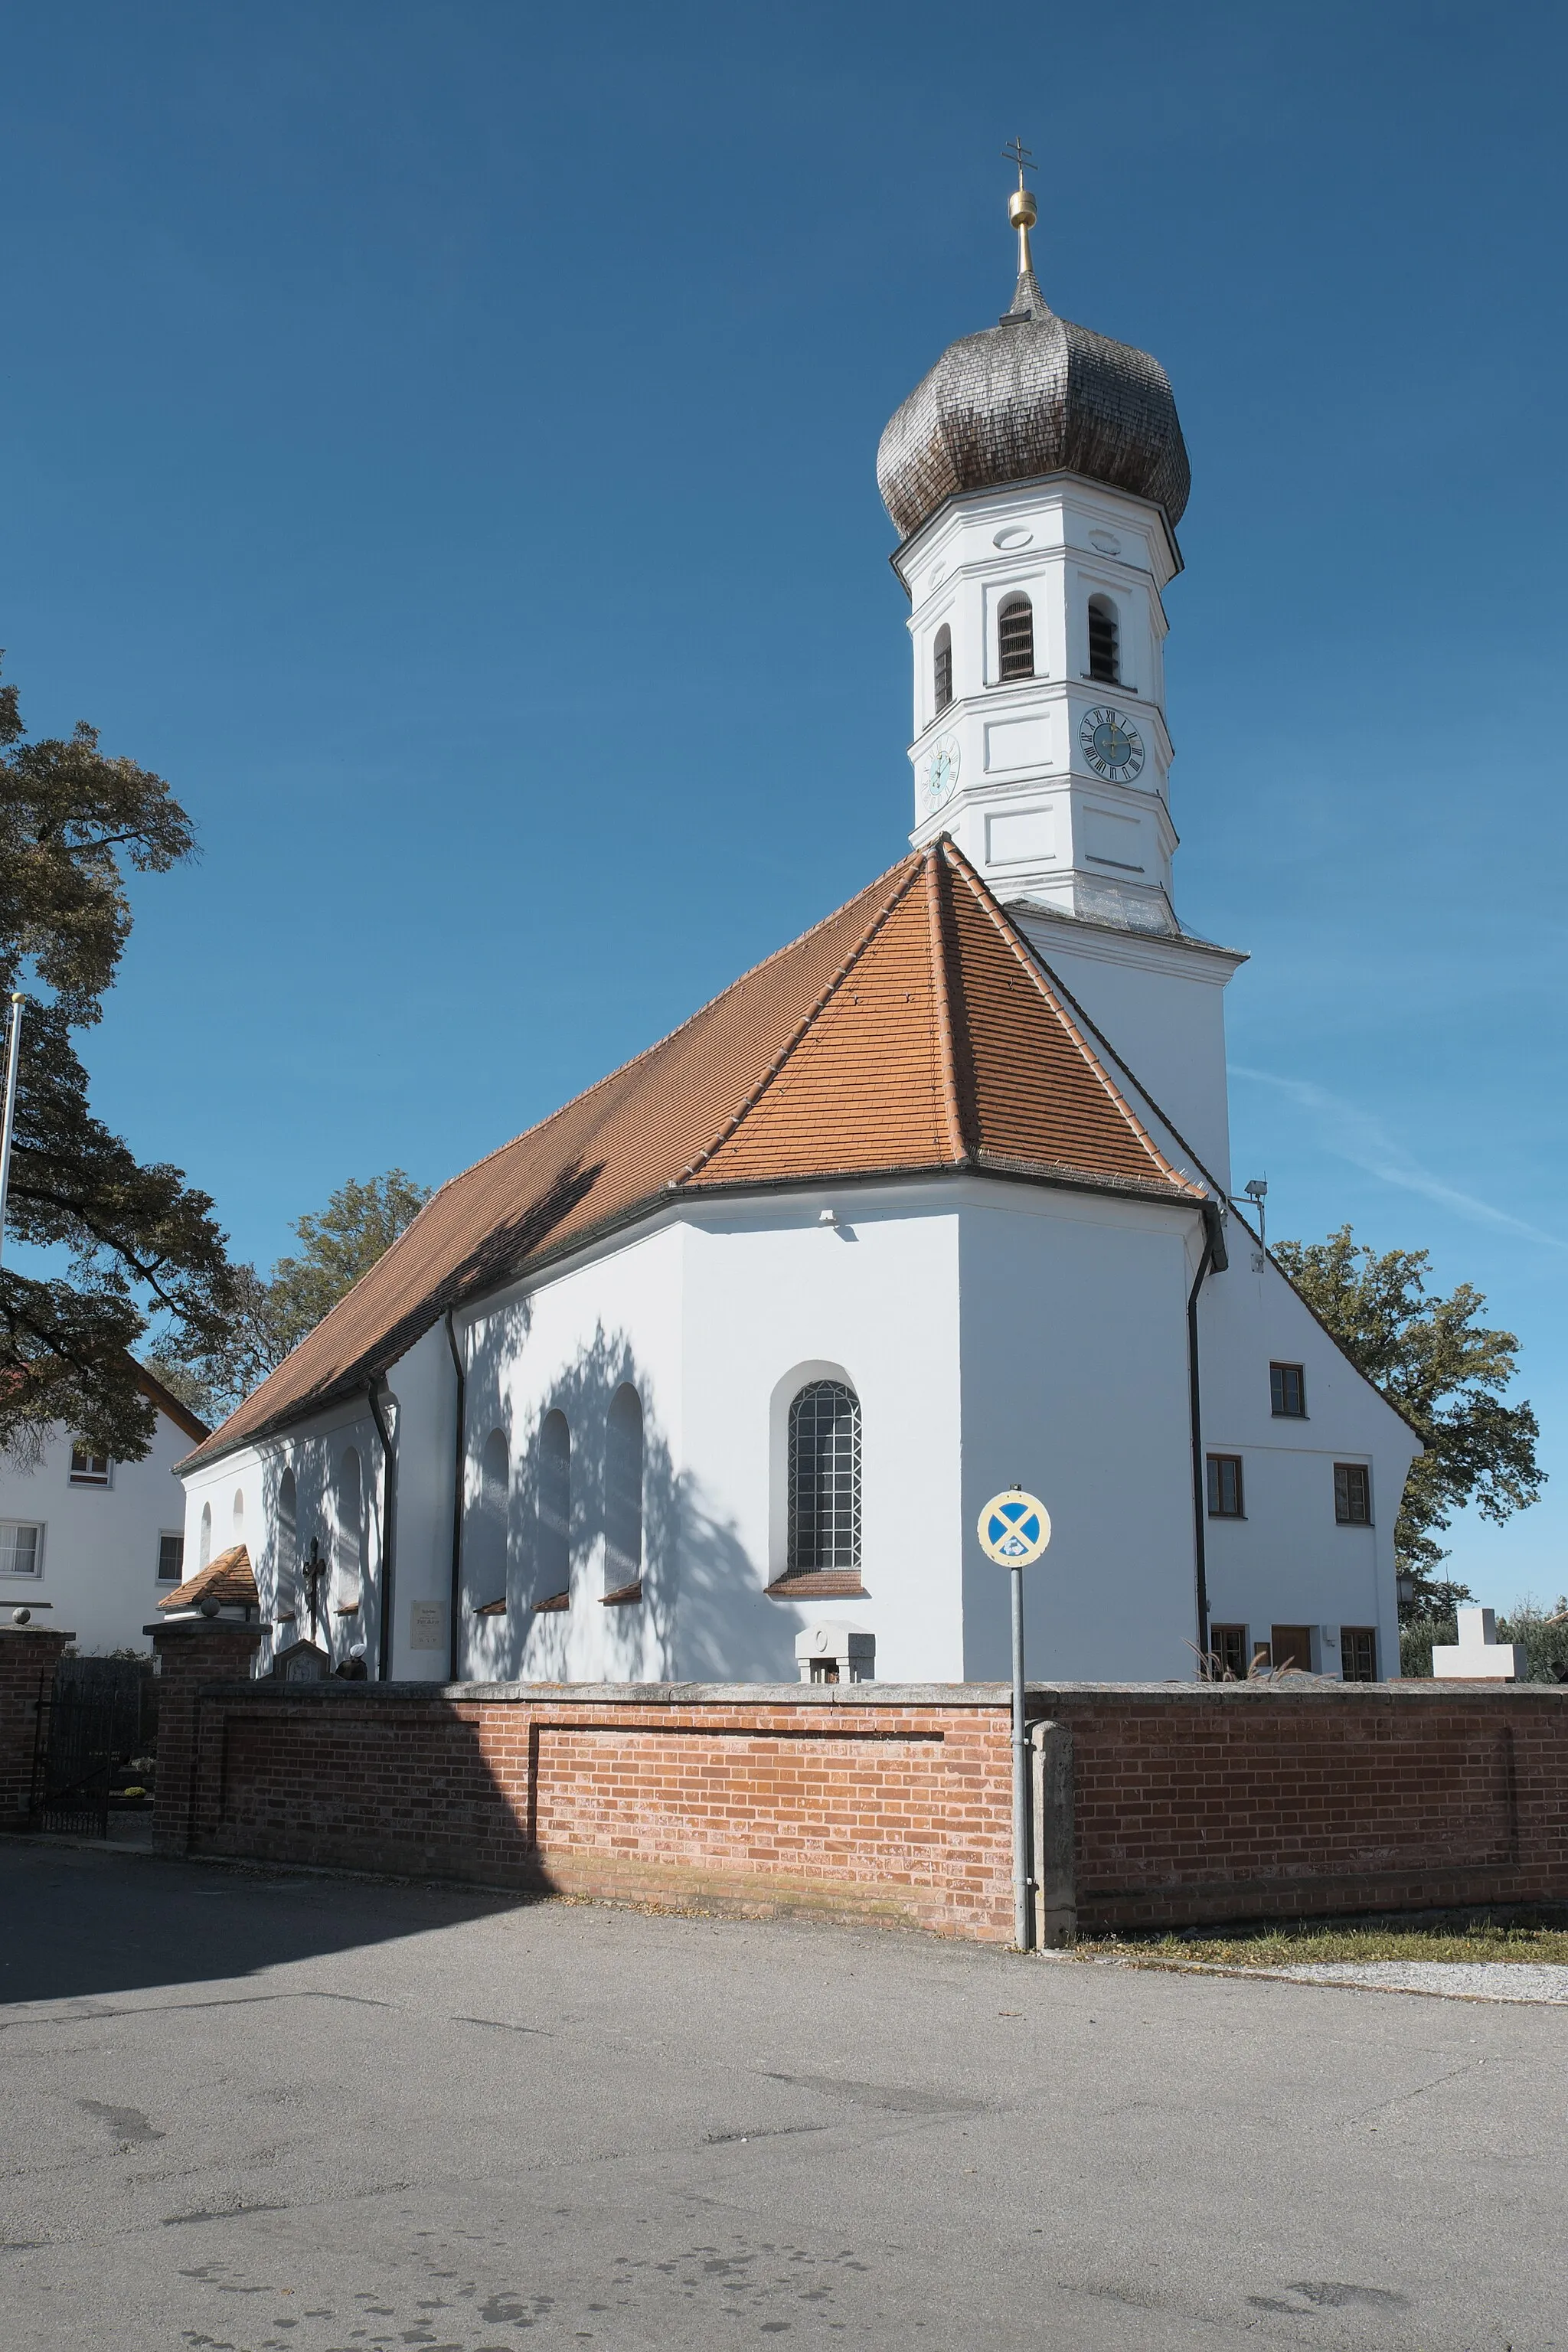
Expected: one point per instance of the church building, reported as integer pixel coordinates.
(934, 1200)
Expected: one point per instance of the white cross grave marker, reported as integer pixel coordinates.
(1478, 1655)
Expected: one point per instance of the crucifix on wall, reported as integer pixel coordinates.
(315, 1573)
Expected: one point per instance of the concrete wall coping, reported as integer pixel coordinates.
(1297, 1690)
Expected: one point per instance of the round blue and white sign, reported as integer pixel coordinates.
(1014, 1529)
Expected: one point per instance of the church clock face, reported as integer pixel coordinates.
(941, 773)
(1111, 744)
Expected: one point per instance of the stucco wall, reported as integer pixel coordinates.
(99, 1573)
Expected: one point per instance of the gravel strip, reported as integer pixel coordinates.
(1515, 1980)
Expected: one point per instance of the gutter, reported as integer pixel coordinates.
(459, 1434)
(388, 1522)
(1214, 1259)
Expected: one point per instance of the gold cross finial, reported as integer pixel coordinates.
(1021, 207)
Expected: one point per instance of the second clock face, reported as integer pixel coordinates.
(941, 772)
(1111, 744)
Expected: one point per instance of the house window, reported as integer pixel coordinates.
(1227, 1648)
(171, 1559)
(1358, 1653)
(942, 666)
(824, 1478)
(1288, 1392)
(1016, 640)
(1225, 1486)
(1104, 642)
(1353, 1494)
(21, 1549)
(89, 1469)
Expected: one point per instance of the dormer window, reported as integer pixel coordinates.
(942, 666)
(1016, 640)
(1104, 642)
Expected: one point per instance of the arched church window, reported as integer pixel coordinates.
(205, 1548)
(348, 1504)
(942, 666)
(623, 1490)
(288, 1547)
(1104, 642)
(1016, 640)
(553, 1554)
(485, 1544)
(239, 1516)
(824, 1478)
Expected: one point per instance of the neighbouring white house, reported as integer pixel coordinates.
(92, 1544)
(936, 1199)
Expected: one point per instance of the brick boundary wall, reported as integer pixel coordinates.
(28, 1656)
(1194, 1802)
(1169, 1804)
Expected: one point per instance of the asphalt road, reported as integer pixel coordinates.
(259, 2111)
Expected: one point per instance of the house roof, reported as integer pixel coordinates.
(913, 1032)
(227, 1580)
(172, 1407)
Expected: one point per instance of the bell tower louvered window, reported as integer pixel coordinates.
(1016, 640)
(942, 666)
(824, 1478)
(1104, 642)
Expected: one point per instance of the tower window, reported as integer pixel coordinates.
(942, 666)
(824, 1477)
(1016, 640)
(1104, 642)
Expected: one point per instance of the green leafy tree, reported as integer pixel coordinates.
(127, 1245)
(273, 1314)
(1443, 1367)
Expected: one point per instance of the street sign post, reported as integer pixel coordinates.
(1014, 1529)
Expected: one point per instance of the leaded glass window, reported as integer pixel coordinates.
(824, 1478)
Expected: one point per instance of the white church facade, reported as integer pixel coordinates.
(935, 1200)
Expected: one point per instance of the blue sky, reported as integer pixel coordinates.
(440, 438)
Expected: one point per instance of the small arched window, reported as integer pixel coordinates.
(238, 1517)
(1016, 640)
(205, 1548)
(555, 1533)
(942, 666)
(623, 1490)
(348, 1530)
(824, 1478)
(1104, 642)
(288, 1549)
(485, 1544)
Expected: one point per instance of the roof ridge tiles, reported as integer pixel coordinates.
(908, 870)
(941, 977)
(991, 905)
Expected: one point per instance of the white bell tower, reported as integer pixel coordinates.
(1036, 475)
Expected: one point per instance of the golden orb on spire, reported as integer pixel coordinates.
(1022, 210)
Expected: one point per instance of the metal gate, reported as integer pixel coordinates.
(93, 1719)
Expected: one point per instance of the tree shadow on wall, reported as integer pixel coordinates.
(703, 1615)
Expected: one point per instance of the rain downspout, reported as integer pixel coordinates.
(1215, 1258)
(460, 1432)
(388, 1522)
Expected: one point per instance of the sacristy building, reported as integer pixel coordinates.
(935, 1200)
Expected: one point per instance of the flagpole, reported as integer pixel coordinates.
(12, 1059)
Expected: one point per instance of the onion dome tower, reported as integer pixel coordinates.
(1037, 476)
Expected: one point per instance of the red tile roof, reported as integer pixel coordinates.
(912, 1031)
(227, 1580)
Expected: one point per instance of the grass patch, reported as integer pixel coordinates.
(1540, 1935)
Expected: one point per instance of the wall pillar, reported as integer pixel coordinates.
(190, 1650)
(1056, 1883)
(28, 1656)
